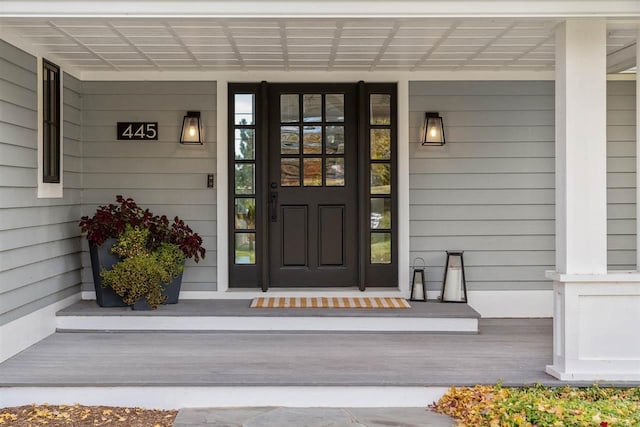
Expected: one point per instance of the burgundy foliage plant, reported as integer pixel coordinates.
(110, 221)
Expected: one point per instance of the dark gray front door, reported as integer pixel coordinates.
(313, 185)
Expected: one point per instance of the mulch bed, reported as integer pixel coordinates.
(84, 416)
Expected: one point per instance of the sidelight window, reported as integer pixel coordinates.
(380, 174)
(244, 179)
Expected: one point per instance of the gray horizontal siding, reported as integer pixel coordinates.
(490, 190)
(621, 175)
(40, 247)
(164, 176)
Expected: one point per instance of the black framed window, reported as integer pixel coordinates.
(50, 122)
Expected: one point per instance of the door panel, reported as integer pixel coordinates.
(331, 239)
(313, 174)
(295, 229)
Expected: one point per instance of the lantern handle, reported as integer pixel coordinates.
(424, 264)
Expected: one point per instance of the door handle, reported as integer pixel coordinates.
(273, 206)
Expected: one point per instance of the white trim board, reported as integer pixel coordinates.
(22, 333)
(529, 303)
(225, 397)
(330, 8)
(266, 323)
(303, 76)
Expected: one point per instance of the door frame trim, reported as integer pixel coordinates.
(222, 194)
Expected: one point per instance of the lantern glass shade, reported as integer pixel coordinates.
(191, 128)
(418, 286)
(433, 130)
(454, 286)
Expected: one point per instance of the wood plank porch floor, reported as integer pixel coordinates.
(513, 351)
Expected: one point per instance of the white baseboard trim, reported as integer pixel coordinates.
(266, 323)
(22, 333)
(487, 303)
(224, 397)
(512, 303)
(595, 377)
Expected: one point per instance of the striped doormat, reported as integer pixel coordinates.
(329, 302)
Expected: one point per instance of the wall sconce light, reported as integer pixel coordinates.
(454, 284)
(433, 129)
(191, 128)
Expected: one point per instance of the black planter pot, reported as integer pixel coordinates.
(102, 258)
(172, 290)
(141, 304)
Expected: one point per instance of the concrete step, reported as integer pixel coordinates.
(311, 417)
(236, 315)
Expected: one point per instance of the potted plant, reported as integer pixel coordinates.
(141, 274)
(110, 222)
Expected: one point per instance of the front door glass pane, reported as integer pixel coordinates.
(245, 144)
(380, 178)
(334, 139)
(244, 108)
(312, 140)
(245, 248)
(245, 178)
(312, 172)
(380, 111)
(245, 213)
(289, 108)
(334, 172)
(290, 172)
(334, 107)
(289, 140)
(380, 213)
(380, 248)
(380, 144)
(312, 108)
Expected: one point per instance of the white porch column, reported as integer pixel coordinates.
(581, 147)
(596, 314)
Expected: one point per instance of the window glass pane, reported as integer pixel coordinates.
(334, 172)
(312, 172)
(380, 109)
(289, 140)
(334, 107)
(245, 144)
(380, 178)
(312, 108)
(245, 178)
(334, 139)
(244, 108)
(380, 144)
(290, 108)
(245, 214)
(380, 248)
(45, 94)
(290, 172)
(312, 140)
(245, 248)
(53, 96)
(380, 213)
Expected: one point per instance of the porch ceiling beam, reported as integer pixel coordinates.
(329, 8)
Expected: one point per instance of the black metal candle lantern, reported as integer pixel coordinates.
(454, 285)
(418, 283)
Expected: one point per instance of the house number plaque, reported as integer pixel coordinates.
(130, 131)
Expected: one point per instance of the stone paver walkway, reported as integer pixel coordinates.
(311, 417)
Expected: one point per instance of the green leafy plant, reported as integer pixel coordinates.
(110, 221)
(142, 272)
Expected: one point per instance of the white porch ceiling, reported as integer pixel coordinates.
(372, 44)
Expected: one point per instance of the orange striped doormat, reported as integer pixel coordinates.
(329, 302)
